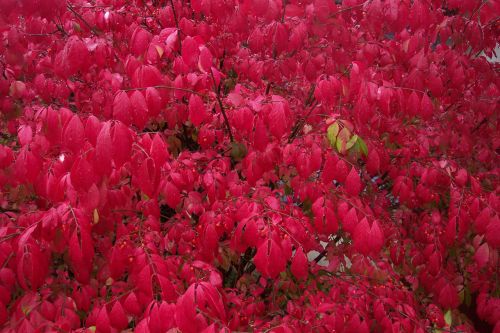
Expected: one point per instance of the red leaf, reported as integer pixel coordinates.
(147, 177)
(139, 41)
(102, 322)
(427, 109)
(493, 233)
(482, 221)
(122, 144)
(159, 151)
(122, 108)
(131, 305)
(6, 156)
(197, 111)
(300, 264)
(350, 220)
(206, 59)
(259, 7)
(103, 152)
(353, 183)
(3, 314)
(413, 104)
(360, 237)
(144, 281)
(117, 317)
(368, 240)
(82, 174)
(73, 135)
(461, 177)
(281, 38)
(341, 171)
(482, 255)
(325, 220)
(373, 162)
(139, 109)
(277, 120)
(448, 297)
(185, 312)
(171, 194)
(261, 138)
(328, 173)
(153, 101)
(92, 128)
(269, 259)
(190, 51)
(376, 238)
(81, 253)
(24, 134)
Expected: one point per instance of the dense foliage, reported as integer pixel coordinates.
(249, 165)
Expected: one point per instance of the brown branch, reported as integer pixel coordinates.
(219, 100)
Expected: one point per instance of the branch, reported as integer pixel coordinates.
(226, 120)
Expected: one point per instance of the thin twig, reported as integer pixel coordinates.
(177, 26)
(80, 17)
(226, 120)
(169, 88)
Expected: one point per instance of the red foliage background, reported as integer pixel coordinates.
(249, 165)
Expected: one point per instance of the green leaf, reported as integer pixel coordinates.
(332, 132)
(238, 151)
(351, 142)
(447, 318)
(362, 146)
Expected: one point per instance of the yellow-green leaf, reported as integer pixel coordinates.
(332, 132)
(447, 318)
(342, 140)
(351, 142)
(362, 146)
